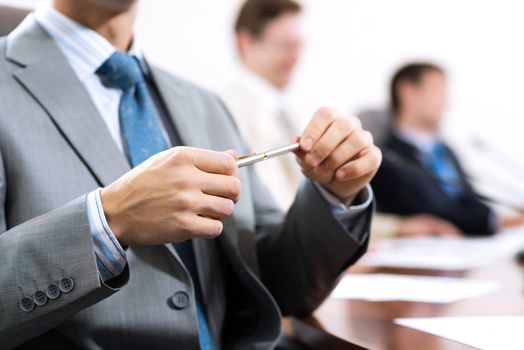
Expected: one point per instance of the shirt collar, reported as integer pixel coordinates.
(422, 141)
(85, 49)
(272, 97)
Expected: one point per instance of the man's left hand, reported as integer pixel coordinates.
(338, 154)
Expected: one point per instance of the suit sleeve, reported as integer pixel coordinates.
(54, 249)
(303, 254)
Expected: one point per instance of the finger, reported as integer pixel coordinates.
(205, 227)
(447, 229)
(215, 207)
(220, 185)
(296, 139)
(207, 160)
(348, 149)
(349, 188)
(451, 235)
(366, 163)
(340, 129)
(321, 173)
(316, 127)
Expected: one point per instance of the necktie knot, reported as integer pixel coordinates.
(438, 150)
(121, 71)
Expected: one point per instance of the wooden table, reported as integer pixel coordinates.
(355, 324)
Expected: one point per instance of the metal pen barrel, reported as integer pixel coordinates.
(258, 157)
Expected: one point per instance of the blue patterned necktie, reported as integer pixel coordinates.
(443, 168)
(144, 137)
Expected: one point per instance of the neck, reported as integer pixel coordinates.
(115, 26)
(258, 72)
(405, 119)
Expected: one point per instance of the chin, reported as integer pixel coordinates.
(115, 5)
(283, 81)
(281, 84)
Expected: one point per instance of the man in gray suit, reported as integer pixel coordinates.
(110, 237)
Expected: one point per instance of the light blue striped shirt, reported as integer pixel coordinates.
(86, 51)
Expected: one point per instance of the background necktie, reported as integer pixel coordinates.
(441, 165)
(144, 136)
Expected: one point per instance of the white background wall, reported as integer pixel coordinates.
(352, 48)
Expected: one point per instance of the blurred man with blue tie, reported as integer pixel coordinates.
(124, 220)
(420, 173)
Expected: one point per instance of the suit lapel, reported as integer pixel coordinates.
(47, 76)
(411, 157)
(190, 124)
(181, 109)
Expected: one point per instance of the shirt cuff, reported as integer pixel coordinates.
(346, 213)
(110, 256)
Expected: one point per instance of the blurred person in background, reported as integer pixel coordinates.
(269, 43)
(420, 173)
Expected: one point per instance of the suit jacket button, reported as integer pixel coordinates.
(27, 304)
(180, 300)
(53, 291)
(40, 298)
(66, 284)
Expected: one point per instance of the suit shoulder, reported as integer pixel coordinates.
(187, 86)
(196, 93)
(201, 98)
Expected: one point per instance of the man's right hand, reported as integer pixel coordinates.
(178, 194)
(427, 225)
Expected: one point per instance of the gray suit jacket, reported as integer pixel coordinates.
(54, 148)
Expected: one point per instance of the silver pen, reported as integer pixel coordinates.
(258, 157)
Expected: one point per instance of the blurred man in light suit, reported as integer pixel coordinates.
(269, 42)
(420, 173)
(125, 222)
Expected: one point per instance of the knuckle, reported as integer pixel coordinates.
(324, 173)
(229, 163)
(308, 173)
(327, 113)
(310, 161)
(184, 222)
(368, 137)
(343, 125)
(377, 157)
(181, 183)
(354, 171)
(320, 149)
(360, 140)
(336, 158)
(355, 122)
(181, 155)
(227, 207)
(235, 187)
(184, 200)
(313, 130)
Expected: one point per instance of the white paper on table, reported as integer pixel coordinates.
(390, 287)
(490, 333)
(446, 254)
